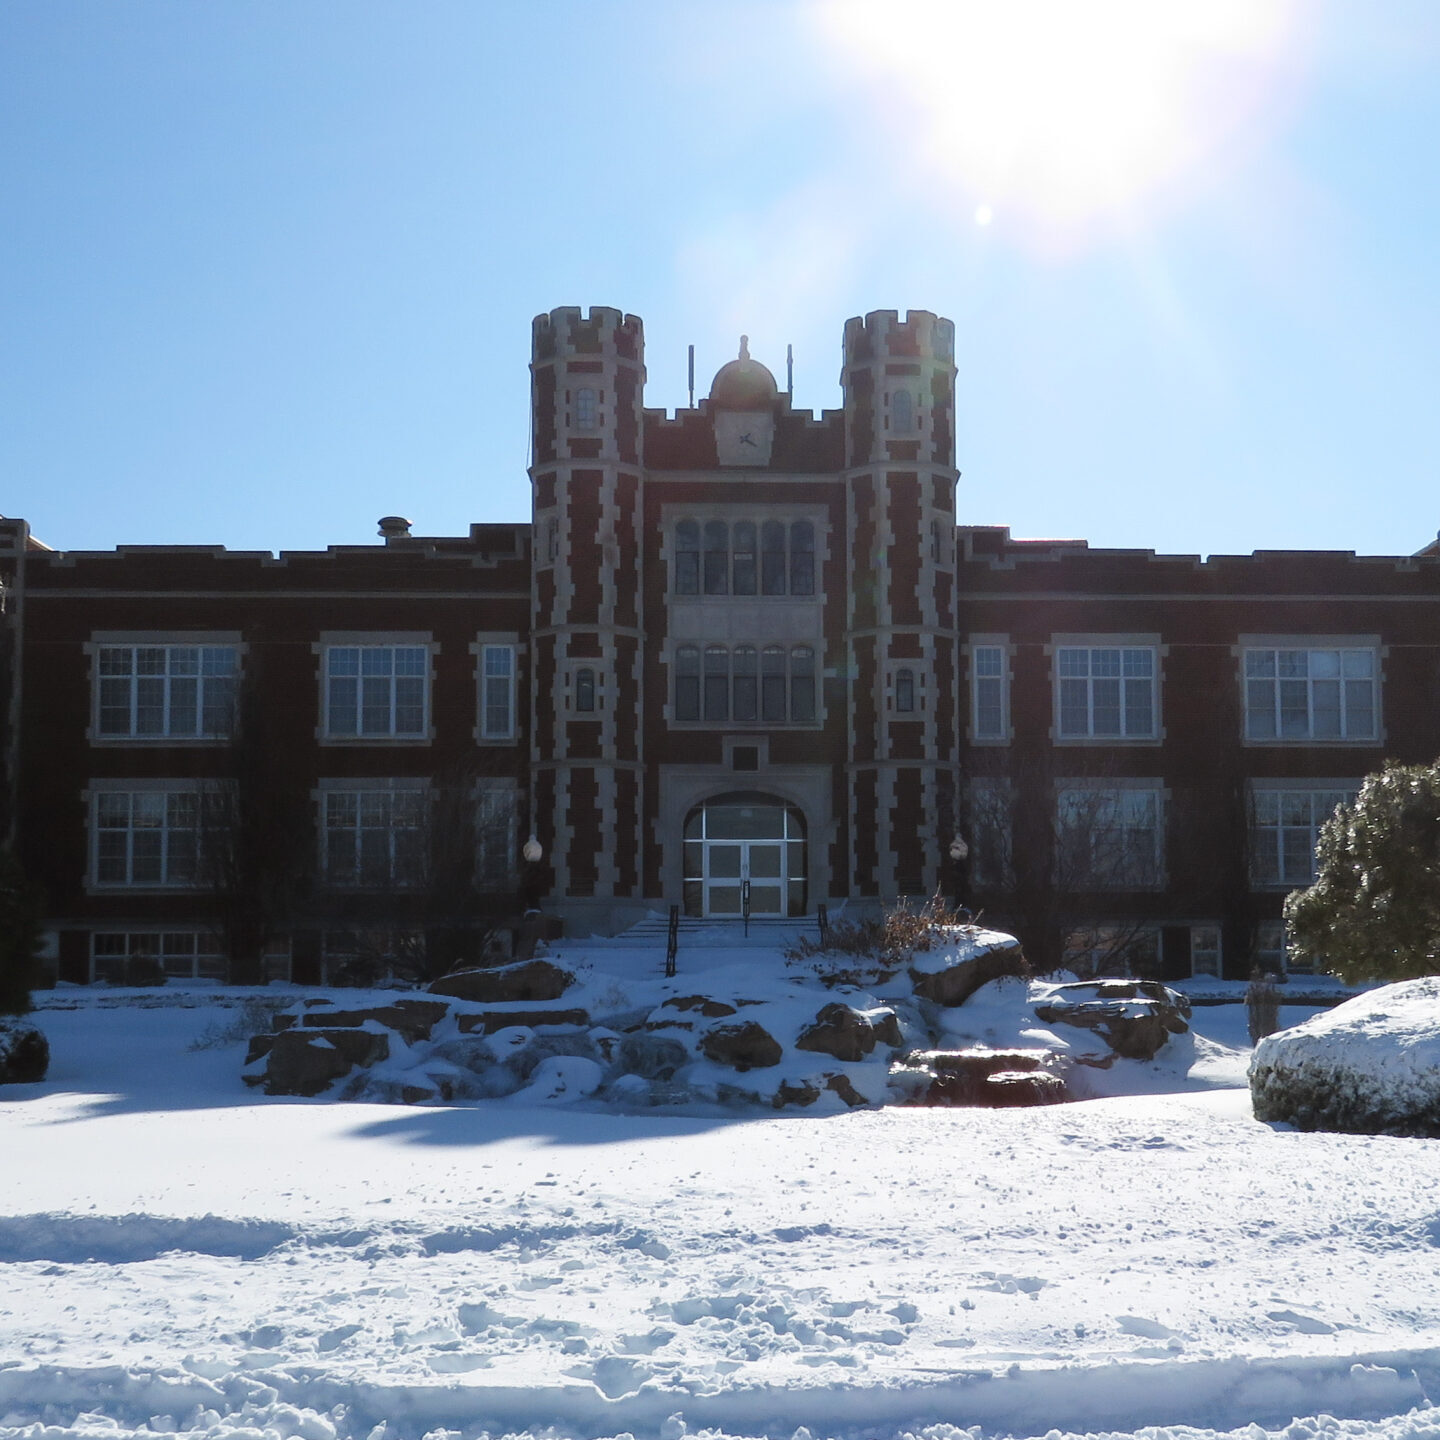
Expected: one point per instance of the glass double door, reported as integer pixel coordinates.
(739, 844)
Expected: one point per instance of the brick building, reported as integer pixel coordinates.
(741, 654)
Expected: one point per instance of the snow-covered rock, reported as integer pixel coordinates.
(24, 1051)
(950, 972)
(1135, 1018)
(1370, 1066)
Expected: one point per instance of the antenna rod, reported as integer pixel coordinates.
(692, 377)
(790, 373)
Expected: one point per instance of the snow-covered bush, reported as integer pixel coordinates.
(1370, 1066)
(1373, 912)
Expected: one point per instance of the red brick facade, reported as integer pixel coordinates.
(738, 650)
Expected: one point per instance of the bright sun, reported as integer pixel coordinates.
(1063, 115)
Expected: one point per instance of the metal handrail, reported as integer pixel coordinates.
(672, 944)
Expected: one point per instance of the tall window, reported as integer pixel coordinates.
(1285, 825)
(180, 692)
(178, 954)
(586, 411)
(496, 813)
(746, 673)
(717, 557)
(497, 692)
(1107, 692)
(1107, 839)
(146, 837)
(905, 690)
(687, 682)
(1306, 695)
(717, 682)
(374, 838)
(585, 690)
(987, 692)
(902, 413)
(802, 558)
(687, 558)
(772, 684)
(744, 572)
(376, 691)
(772, 558)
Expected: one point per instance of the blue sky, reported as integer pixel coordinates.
(268, 269)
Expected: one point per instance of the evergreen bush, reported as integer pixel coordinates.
(1373, 912)
(20, 910)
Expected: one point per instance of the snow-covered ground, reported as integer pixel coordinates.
(180, 1253)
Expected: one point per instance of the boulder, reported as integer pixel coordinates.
(1368, 1067)
(526, 980)
(841, 1031)
(799, 1093)
(841, 1085)
(654, 1057)
(949, 974)
(489, 1021)
(980, 1077)
(710, 1009)
(304, 1061)
(746, 1046)
(414, 1019)
(24, 1052)
(1133, 1017)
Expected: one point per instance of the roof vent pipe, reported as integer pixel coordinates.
(394, 527)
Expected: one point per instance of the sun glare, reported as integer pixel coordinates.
(1064, 115)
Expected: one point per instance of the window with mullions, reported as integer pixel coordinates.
(586, 409)
(718, 684)
(902, 413)
(1306, 695)
(718, 558)
(904, 691)
(987, 685)
(179, 954)
(376, 691)
(1107, 839)
(497, 692)
(1106, 692)
(374, 839)
(166, 692)
(1284, 827)
(146, 837)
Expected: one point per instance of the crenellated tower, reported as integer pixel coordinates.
(587, 391)
(899, 388)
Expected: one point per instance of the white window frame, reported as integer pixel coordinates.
(1102, 942)
(1096, 796)
(1252, 651)
(371, 642)
(990, 646)
(1218, 950)
(497, 829)
(100, 797)
(990, 831)
(482, 649)
(1277, 795)
(169, 641)
(1126, 646)
(171, 945)
(367, 791)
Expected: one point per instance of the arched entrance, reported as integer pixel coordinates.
(739, 840)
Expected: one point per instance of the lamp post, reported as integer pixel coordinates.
(531, 852)
(958, 852)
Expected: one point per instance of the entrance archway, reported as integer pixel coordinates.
(742, 840)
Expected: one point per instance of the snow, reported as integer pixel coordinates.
(1372, 1062)
(181, 1255)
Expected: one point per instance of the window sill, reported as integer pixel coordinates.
(159, 742)
(387, 742)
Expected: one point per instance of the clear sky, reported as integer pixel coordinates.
(268, 268)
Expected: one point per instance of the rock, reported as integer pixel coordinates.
(525, 980)
(841, 1085)
(980, 1077)
(886, 1025)
(1368, 1067)
(841, 1031)
(307, 1061)
(490, 1021)
(746, 1046)
(414, 1019)
(951, 974)
(799, 1093)
(24, 1051)
(710, 1009)
(1134, 1017)
(654, 1057)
